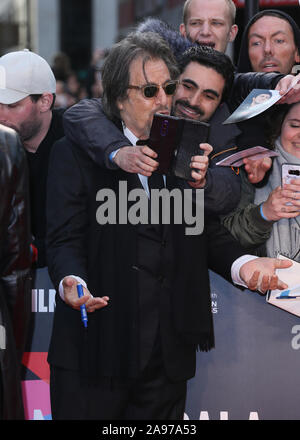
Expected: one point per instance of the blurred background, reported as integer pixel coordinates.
(73, 35)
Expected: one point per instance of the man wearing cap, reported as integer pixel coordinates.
(27, 94)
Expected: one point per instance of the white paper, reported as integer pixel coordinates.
(288, 299)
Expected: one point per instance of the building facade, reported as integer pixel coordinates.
(78, 27)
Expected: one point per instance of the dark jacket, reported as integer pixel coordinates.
(86, 125)
(38, 172)
(254, 130)
(245, 223)
(106, 257)
(14, 270)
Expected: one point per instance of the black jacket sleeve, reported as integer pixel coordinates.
(67, 215)
(86, 125)
(223, 249)
(15, 261)
(245, 82)
(222, 190)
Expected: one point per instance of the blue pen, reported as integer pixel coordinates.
(287, 297)
(285, 294)
(83, 312)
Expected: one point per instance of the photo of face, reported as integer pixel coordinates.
(255, 103)
(260, 98)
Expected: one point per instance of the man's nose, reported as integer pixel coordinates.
(268, 47)
(195, 98)
(162, 98)
(205, 28)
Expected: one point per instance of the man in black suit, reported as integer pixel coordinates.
(149, 282)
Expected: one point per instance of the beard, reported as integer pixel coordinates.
(28, 129)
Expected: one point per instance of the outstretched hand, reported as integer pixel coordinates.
(72, 299)
(260, 274)
(256, 169)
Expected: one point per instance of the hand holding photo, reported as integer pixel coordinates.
(256, 102)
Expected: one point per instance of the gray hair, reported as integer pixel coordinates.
(116, 68)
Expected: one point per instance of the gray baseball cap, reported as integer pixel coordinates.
(24, 73)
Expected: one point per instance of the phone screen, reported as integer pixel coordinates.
(290, 172)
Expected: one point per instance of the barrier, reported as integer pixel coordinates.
(251, 374)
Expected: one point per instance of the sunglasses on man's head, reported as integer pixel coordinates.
(151, 90)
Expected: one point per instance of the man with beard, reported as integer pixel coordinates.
(204, 83)
(27, 94)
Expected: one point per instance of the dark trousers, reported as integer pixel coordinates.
(152, 396)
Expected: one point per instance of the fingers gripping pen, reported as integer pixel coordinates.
(83, 311)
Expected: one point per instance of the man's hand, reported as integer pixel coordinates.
(72, 299)
(256, 169)
(259, 274)
(283, 85)
(200, 164)
(139, 159)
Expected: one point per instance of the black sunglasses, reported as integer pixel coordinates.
(151, 90)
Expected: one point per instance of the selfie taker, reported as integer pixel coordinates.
(146, 286)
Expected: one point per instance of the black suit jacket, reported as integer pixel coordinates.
(105, 257)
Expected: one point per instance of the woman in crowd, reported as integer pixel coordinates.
(268, 216)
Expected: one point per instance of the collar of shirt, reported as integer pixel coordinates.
(133, 139)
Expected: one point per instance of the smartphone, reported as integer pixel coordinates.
(164, 138)
(176, 140)
(289, 171)
(193, 134)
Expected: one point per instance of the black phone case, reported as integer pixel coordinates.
(193, 134)
(176, 141)
(164, 137)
